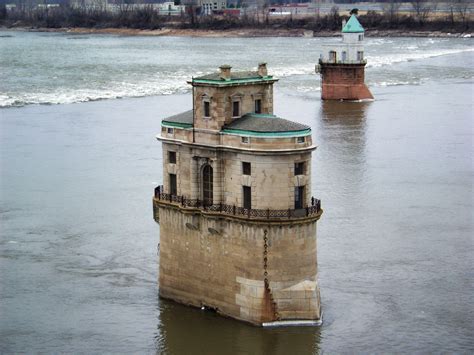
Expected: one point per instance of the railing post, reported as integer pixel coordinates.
(312, 201)
(307, 211)
(248, 213)
(234, 210)
(171, 197)
(268, 213)
(289, 213)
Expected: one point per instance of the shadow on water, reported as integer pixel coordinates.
(186, 330)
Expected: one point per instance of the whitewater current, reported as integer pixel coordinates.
(61, 68)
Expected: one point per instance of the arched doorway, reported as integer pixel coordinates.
(207, 185)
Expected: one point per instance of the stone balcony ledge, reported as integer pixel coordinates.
(165, 199)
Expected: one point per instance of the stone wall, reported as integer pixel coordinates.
(272, 178)
(221, 99)
(253, 271)
(344, 82)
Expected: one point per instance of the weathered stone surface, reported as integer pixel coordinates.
(344, 82)
(226, 271)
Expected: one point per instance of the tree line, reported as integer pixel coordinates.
(456, 18)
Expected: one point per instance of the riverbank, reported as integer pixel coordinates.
(243, 32)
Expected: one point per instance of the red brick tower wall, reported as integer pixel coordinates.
(344, 82)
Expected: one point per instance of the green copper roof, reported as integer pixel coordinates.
(245, 77)
(251, 124)
(181, 120)
(353, 26)
(265, 125)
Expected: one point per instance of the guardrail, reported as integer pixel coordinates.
(233, 210)
(330, 61)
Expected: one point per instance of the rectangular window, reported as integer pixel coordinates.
(247, 191)
(360, 55)
(344, 56)
(299, 197)
(246, 168)
(258, 106)
(235, 108)
(332, 56)
(170, 130)
(172, 157)
(245, 140)
(173, 185)
(361, 37)
(300, 140)
(207, 109)
(299, 168)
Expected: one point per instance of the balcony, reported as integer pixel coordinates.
(162, 198)
(333, 61)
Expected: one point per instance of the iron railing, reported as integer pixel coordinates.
(339, 61)
(233, 210)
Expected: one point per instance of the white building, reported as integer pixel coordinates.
(351, 49)
(208, 6)
(170, 9)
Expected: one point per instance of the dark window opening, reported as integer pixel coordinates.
(170, 130)
(258, 106)
(246, 168)
(172, 157)
(235, 108)
(207, 185)
(299, 168)
(173, 185)
(207, 109)
(245, 139)
(247, 191)
(300, 140)
(299, 197)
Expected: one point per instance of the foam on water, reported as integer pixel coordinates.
(85, 72)
(378, 61)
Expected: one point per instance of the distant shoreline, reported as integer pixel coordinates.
(243, 32)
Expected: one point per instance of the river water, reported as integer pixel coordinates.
(78, 243)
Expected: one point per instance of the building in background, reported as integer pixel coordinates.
(342, 65)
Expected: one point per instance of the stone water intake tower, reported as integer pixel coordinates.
(237, 221)
(342, 65)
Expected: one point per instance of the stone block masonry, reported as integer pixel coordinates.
(344, 82)
(253, 271)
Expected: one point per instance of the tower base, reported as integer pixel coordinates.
(258, 271)
(341, 81)
(346, 92)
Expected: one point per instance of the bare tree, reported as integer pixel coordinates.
(422, 9)
(462, 8)
(390, 10)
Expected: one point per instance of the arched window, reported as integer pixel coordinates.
(207, 185)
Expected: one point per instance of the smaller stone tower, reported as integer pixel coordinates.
(342, 66)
